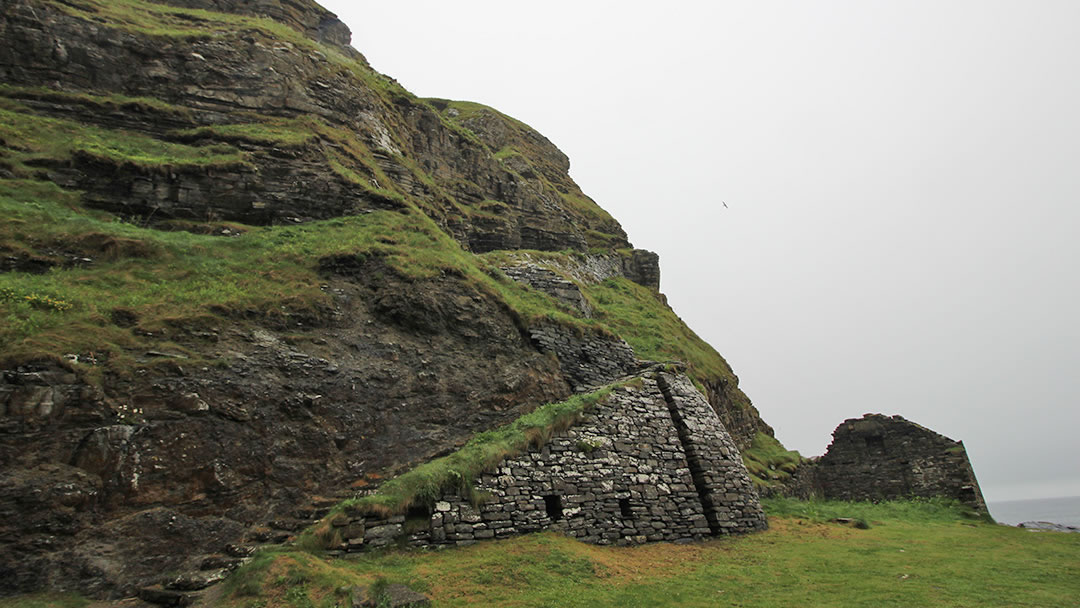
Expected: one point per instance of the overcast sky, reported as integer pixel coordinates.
(902, 181)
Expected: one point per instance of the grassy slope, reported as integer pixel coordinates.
(522, 143)
(179, 277)
(767, 460)
(914, 554)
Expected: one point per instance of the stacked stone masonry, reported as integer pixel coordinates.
(715, 464)
(881, 457)
(588, 360)
(628, 473)
(550, 283)
(638, 265)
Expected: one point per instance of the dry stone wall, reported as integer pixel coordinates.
(649, 463)
(551, 283)
(638, 265)
(726, 492)
(588, 360)
(880, 457)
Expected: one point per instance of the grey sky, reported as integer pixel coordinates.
(902, 178)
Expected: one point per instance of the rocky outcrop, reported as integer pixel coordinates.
(192, 438)
(1045, 526)
(302, 15)
(210, 81)
(399, 371)
(738, 415)
(638, 265)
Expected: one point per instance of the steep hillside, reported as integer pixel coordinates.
(242, 274)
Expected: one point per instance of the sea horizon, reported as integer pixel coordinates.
(1064, 510)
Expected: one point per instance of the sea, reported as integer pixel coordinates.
(1064, 511)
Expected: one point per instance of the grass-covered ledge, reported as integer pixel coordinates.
(768, 461)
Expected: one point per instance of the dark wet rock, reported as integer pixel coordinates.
(164, 597)
(1045, 526)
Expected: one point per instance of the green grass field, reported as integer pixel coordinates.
(921, 553)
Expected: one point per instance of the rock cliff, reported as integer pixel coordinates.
(243, 275)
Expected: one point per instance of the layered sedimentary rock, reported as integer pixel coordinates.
(214, 78)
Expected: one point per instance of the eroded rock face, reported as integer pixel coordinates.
(302, 15)
(400, 371)
(739, 417)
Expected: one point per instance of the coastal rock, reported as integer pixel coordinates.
(1045, 526)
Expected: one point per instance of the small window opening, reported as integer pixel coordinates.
(553, 506)
(875, 442)
(624, 507)
(417, 518)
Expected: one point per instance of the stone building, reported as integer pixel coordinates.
(651, 462)
(879, 457)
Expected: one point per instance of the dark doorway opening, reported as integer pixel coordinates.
(624, 507)
(417, 518)
(553, 506)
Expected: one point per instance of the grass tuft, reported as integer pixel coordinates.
(914, 510)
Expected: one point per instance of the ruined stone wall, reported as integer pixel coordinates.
(588, 360)
(638, 265)
(551, 283)
(879, 457)
(650, 463)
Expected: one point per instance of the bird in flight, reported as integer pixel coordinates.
(725, 205)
